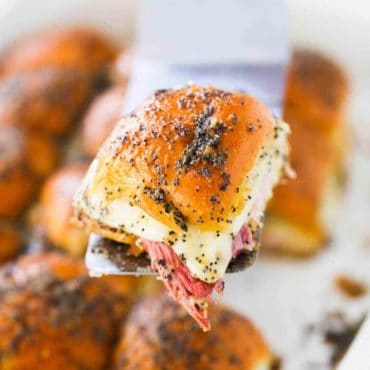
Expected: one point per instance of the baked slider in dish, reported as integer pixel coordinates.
(53, 316)
(302, 211)
(10, 241)
(57, 194)
(25, 158)
(185, 177)
(72, 48)
(47, 100)
(158, 334)
(100, 119)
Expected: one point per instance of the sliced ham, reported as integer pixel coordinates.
(192, 293)
(243, 240)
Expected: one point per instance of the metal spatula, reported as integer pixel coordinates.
(358, 354)
(230, 44)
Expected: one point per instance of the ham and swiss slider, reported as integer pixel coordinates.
(186, 177)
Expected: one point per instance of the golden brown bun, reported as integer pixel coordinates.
(56, 209)
(25, 158)
(41, 151)
(160, 335)
(46, 100)
(286, 236)
(317, 88)
(10, 242)
(52, 316)
(314, 108)
(311, 158)
(100, 119)
(16, 191)
(77, 48)
(168, 148)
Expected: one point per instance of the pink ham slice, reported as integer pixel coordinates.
(243, 240)
(192, 293)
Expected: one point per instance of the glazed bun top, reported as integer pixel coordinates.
(318, 86)
(315, 103)
(53, 316)
(47, 100)
(184, 155)
(100, 119)
(57, 194)
(33, 152)
(158, 334)
(81, 48)
(25, 158)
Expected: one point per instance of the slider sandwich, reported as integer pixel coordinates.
(302, 212)
(185, 178)
(173, 341)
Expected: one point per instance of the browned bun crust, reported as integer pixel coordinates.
(42, 153)
(16, 190)
(56, 209)
(167, 148)
(46, 100)
(17, 183)
(100, 119)
(10, 242)
(312, 158)
(25, 158)
(314, 108)
(158, 334)
(317, 88)
(80, 48)
(53, 316)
